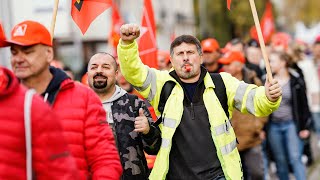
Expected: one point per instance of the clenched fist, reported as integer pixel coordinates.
(129, 32)
(273, 90)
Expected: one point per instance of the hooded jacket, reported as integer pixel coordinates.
(50, 155)
(84, 125)
(122, 110)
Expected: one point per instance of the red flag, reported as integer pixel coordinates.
(116, 23)
(2, 37)
(147, 42)
(228, 4)
(267, 25)
(84, 12)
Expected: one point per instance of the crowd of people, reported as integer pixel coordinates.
(207, 112)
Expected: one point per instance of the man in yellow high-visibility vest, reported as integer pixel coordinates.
(198, 141)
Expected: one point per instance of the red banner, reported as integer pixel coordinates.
(116, 23)
(147, 42)
(228, 4)
(83, 12)
(2, 37)
(267, 25)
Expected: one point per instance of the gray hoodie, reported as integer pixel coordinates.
(108, 103)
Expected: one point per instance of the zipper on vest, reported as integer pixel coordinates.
(192, 111)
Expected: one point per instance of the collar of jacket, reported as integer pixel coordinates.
(59, 82)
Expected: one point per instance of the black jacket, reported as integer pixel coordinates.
(300, 107)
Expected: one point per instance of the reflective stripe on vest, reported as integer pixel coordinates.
(170, 123)
(150, 79)
(165, 143)
(250, 101)
(223, 128)
(229, 147)
(241, 90)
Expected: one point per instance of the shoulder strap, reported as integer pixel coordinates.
(28, 135)
(165, 93)
(220, 91)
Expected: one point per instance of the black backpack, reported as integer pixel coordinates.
(220, 91)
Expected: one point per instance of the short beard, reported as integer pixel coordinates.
(188, 75)
(99, 87)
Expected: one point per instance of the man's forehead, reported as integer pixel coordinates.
(185, 46)
(100, 59)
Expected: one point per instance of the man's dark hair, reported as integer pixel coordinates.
(186, 39)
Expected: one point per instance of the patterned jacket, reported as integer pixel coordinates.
(131, 145)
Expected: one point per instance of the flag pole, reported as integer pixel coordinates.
(261, 40)
(54, 16)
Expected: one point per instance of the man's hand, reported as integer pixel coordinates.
(141, 123)
(129, 32)
(273, 90)
(304, 134)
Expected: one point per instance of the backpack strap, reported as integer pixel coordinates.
(220, 91)
(28, 129)
(164, 95)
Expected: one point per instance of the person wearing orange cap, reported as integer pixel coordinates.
(248, 128)
(128, 115)
(83, 118)
(46, 154)
(234, 63)
(164, 60)
(280, 42)
(211, 54)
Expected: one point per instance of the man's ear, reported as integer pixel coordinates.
(49, 53)
(201, 59)
(117, 74)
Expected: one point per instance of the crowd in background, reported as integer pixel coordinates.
(283, 137)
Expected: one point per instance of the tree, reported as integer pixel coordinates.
(223, 24)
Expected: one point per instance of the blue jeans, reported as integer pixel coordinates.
(316, 120)
(286, 147)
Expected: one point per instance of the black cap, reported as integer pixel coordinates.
(253, 43)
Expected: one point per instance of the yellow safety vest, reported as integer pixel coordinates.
(244, 97)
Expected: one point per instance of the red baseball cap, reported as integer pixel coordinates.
(210, 45)
(317, 39)
(232, 56)
(29, 33)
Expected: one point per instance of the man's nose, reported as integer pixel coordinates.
(185, 56)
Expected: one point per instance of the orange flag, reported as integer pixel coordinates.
(267, 25)
(2, 37)
(116, 23)
(228, 4)
(147, 42)
(83, 12)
